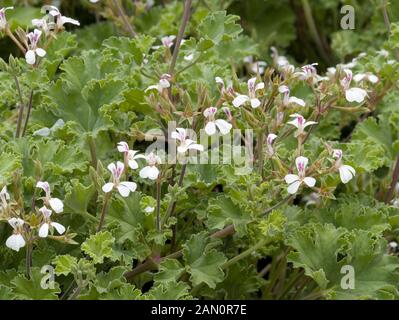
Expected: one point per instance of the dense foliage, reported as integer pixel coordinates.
(103, 115)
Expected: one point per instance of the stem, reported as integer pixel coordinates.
(75, 293)
(28, 258)
(394, 180)
(126, 22)
(313, 30)
(245, 253)
(15, 40)
(93, 151)
(186, 17)
(28, 113)
(21, 107)
(386, 17)
(104, 210)
(158, 204)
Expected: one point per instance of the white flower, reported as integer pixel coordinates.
(44, 228)
(366, 76)
(210, 128)
(151, 171)
(308, 72)
(269, 142)
(255, 66)
(185, 143)
(294, 181)
(346, 172)
(16, 241)
(168, 41)
(60, 19)
(300, 123)
(4, 198)
(55, 203)
(149, 209)
(94, 1)
(162, 84)
(124, 187)
(287, 100)
(223, 89)
(30, 55)
(352, 94)
(279, 61)
(3, 19)
(130, 155)
(384, 53)
(251, 97)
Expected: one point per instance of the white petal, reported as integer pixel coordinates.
(43, 132)
(346, 173)
(149, 172)
(290, 178)
(255, 103)
(123, 190)
(293, 188)
(108, 187)
(123, 147)
(359, 77)
(309, 123)
(373, 78)
(297, 101)
(43, 231)
(196, 146)
(132, 186)
(240, 100)
(210, 128)
(310, 181)
(40, 52)
(30, 57)
(59, 227)
(69, 20)
(355, 94)
(223, 126)
(56, 204)
(259, 86)
(133, 164)
(112, 167)
(15, 242)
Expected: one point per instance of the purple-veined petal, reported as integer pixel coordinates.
(123, 147)
(301, 163)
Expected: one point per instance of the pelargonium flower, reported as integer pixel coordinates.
(130, 155)
(287, 99)
(269, 143)
(255, 66)
(167, 41)
(94, 1)
(55, 203)
(16, 241)
(162, 84)
(4, 198)
(308, 72)
(225, 91)
(44, 228)
(210, 128)
(33, 50)
(3, 19)
(366, 77)
(294, 181)
(185, 143)
(352, 94)
(41, 24)
(251, 97)
(124, 187)
(151, 171)
(346, 172)
(60, 19)
(300, 123)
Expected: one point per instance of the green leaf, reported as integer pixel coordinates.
(8, 164)
(31, 289)
(169, 271)
(65, 264)
(99, 246)
(203, 263)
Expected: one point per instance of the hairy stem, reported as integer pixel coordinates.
(158, 223)
(122, 15)
(93, 150)
(30, 105)
(186, 17)
(104, 210)
(394, 180)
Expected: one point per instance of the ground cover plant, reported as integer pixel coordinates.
(199, 149)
